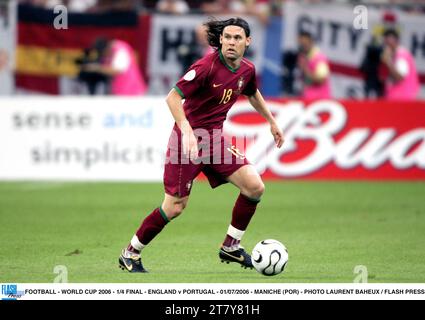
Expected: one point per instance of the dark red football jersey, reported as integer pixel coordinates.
(210, 87)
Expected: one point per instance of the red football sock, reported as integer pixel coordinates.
(230, 242)
(132, 249)
(151, 226)
(243, 211)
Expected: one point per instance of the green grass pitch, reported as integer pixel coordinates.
(328, 228)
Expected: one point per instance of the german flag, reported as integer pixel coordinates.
(44, 53)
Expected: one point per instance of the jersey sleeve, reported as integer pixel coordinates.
(251, 86)
(194, 79)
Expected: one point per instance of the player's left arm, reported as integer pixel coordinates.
(259, 104)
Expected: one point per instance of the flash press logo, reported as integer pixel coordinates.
(360, 21)
(10, 292)
(361, 274)
(61, 17)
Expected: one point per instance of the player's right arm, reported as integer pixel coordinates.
(189, 141)
(188, 86)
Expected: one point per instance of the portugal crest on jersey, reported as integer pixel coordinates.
(240, 85)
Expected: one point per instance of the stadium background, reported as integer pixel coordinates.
(55, 139)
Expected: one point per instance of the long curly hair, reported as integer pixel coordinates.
(215, 29)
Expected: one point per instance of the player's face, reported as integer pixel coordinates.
(234, 42)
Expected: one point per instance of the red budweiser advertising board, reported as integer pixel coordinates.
(330, 139)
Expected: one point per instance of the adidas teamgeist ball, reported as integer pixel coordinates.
(269, 257)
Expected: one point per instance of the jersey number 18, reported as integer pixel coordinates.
(227, 95)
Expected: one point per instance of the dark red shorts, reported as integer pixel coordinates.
(217, 160)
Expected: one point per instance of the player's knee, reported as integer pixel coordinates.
(177, 209)
(255, 189)
(259, 189)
